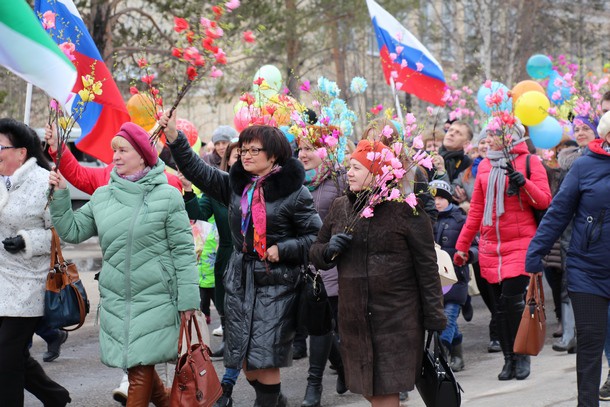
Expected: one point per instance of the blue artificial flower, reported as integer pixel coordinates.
(349, 115)
(346, 128)
(333, 90)
(323, 84)
(341, 149)
(328, 112)
(358, 85)
(338, 106)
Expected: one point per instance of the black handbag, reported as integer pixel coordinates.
(65, 299)
(436, 384)
(315, 313)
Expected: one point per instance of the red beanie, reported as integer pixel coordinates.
(140, 141)
(361, 154)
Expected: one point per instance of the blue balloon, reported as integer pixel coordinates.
(546, 134)
(558, 92)
(539, 66)
(507, 102)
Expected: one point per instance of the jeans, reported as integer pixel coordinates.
(230, 376)
(452, 335)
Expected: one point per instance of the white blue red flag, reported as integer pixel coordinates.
(103, 117)
(405, 59)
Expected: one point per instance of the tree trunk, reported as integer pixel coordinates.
(338, 56)
(293, 48)
(100, 29)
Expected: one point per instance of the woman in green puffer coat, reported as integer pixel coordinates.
(149, 272)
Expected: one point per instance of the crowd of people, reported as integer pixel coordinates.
(278, 206)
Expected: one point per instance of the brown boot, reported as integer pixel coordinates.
(160, 394)
(140, 385)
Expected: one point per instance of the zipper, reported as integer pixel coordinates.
(498, 248)
(128, 248)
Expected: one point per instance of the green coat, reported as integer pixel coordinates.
(149, 268)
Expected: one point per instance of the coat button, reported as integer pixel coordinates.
(285, 275)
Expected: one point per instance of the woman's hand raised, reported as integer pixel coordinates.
(56, 180)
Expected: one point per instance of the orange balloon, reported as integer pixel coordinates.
(141, 109)
(525, 86)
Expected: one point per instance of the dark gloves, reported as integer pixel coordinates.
(336, 245)
(515, 180)
(14, 244)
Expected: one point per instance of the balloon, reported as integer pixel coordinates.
(271, 75)
(558, 90)
(525, 86)
(141, 109)
(539, 66)
(189, 130)
(532, 108)
(546, 134)
(239, 105)
(242, 119)
(484, 91)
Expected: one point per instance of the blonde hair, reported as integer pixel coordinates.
(119, 142)
(373, 131)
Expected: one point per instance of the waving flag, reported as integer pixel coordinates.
(104, 116)
(25, 45)
(405, 59)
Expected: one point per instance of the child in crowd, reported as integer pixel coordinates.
(450, 221)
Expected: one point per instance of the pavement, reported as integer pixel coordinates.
(552, 382)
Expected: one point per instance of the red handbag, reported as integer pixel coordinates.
(532, 328)
(195, 382)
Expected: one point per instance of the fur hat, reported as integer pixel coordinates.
(361, 154)
(139, 140)
(224, 133)
(443, 189)
(603, 128)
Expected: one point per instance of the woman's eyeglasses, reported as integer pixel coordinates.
(7, 147)
(254, 151)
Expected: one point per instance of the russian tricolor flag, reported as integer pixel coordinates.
(404, 58)
(104, 116)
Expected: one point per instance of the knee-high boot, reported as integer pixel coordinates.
(515, 306)
(335, 359)
(140, 385)
(507, 329)
(160, 394)
(319, 349)
(567, 342)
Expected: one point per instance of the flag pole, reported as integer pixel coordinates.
(28, 104)
(398, 108)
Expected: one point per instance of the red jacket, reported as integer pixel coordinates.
(502, 246)
(88, 179)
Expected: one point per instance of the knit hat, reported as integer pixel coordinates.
(140, 141)
(516, 131)
(224, 133)
(443, 189)
(366, 150)
(591, 123)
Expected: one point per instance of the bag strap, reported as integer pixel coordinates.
(528, 172)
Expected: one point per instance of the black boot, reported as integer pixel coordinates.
(219, 353)
(268, 395)
(505, 316)
(522, 366)
(319, 349)
(225, 400)
(299, 345)
(508, 370)
(335, 359)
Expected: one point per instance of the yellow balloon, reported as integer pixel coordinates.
(141, 109)
(532, 108)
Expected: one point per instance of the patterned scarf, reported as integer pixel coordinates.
(253, 208)
(315, 177)
(496, 185)
(137, 176)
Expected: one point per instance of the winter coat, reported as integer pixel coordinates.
(502, 246)
(88, 179)
(261, 296)
(22, 212)
(149, 270)
(389, 292)
(323, 197)
(455, 162)
(446, 232)
(584, 197)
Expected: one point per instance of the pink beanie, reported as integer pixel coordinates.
(139, 140)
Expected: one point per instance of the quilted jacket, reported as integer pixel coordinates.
(149, 270)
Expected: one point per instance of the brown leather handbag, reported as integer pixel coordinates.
(195, 382)
(532, 329)
(65, 298)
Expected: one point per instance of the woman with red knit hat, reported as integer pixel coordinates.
(388, 276)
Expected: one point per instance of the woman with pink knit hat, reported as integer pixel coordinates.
(149, 272)
(390, 287)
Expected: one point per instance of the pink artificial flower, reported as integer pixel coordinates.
(206, 23)
(397, 148)
(330, 141)
(404, 64)
(394, 194)
(387, 131)
(190, 53)
(133, 90)
(395, 163)
(411, 200)
(321, 152)
(475, 122)
(325, 120)
(398, 35)
(552, 111)
(393, 56)
(68, 49)
(305, 86)
(426, 163)
(315, 103)
(285, 91)
(180, 24)
(142, 62)
(420, 66)
(467, 147)
(410, 119)
(548, 154)
(399, 49)
(232, 5)
(148, 79)
(454, 77)
(556, 95)
(430, 110)
(398, 85)
(394, 74)
(216, 73)
(418, 143)
(399, 173)
(48, 20)
(248, 36)
(367, 212)
(487, 84)
(53, 105)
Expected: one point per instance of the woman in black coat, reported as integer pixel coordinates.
(272, 221)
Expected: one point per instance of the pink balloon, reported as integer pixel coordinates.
(188, 129)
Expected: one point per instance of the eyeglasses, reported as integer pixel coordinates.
(7, 147)
(254, 151)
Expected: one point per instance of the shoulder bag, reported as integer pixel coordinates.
(436, 384)
(195, 383)
(65, 299)
(314, 311)
(532, 328)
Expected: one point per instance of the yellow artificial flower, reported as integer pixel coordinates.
(64, 122)
(86, 95)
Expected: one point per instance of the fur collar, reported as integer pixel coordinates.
(279, 185)
(567, 156)
(18, 178)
